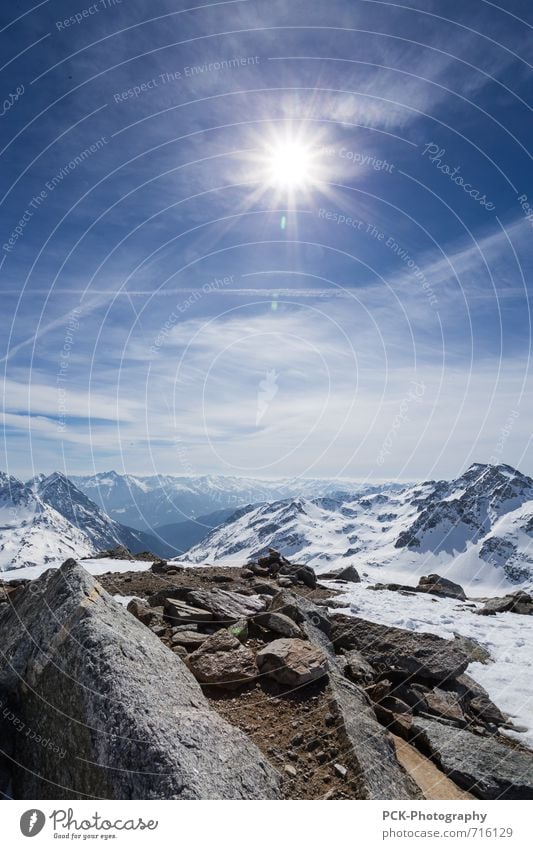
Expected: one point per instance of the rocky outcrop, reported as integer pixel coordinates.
(517, 602)
(346, 573)
(275, 564)
(292, 662)
(397, 652)
(223, 661)
(480, 765)
(129, 718)
(380, 774)
(436, 585)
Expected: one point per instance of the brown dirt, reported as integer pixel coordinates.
(294, 730)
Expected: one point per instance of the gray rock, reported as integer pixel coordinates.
(346, 573)
(517, 602)
(128, 715)
(188, 639)
(223, 662)
(400, 653)
(179, 612)
(226, 606)
(357, 668)
(292, 662)
(278, 623)
(380, 776)
(480, 765)
(437, 585)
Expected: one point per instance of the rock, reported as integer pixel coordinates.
(480, 765)
(278, 623)
(127, 716)
(518, 602)
(190, 640)
(263, 588)
(340, 770)
(181, 651)
(223, 661)
(306, 575)
(302, 611)
(436, 585)
(346, 573)
(485, 710)
(285, 582)
(292, 662)
(401, 654)
(145, 614)
(290, 770)
(443, 703)
(380, 776)
(227, 606)
(472, 648)
(239, 629)
(177, 611)
(432, 782)
(357, 668)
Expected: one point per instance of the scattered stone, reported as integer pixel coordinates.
(341, 770)
(486, 710)
(285, 582)
(292, 662)
(223, 661)
(443, 703)
(290, 770)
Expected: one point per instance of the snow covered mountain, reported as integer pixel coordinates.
(149, 502)
(477, 530)
(32, 532)
(48, 519)
(61, 494)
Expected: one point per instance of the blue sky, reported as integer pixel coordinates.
(169, 307)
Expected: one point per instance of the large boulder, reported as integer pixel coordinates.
(223, 661)
(517, 602)
(225, 606)
(345, 573)
(380, 776)
(292, 662)
(481, 765)
(436, 585)
(127, 718)
(401, 654)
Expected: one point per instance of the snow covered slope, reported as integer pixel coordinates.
(149, 502)
(32, 533)
(47, 520)
(61, 494)
(477, 530)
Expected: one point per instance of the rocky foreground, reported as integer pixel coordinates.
(237, 684)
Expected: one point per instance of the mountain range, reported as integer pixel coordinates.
(160, 500)
(48, 519)
(476, 529)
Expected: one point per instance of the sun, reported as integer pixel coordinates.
(290, 165)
